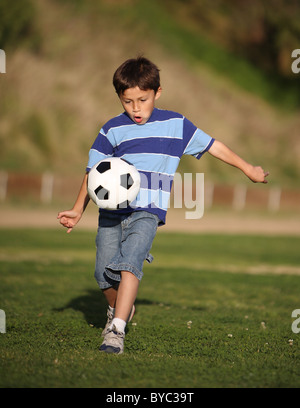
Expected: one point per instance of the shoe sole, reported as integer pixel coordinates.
(110, 349)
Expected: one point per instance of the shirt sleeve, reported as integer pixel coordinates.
(196, 141)
(100, 150)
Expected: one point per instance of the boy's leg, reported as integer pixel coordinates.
(126, 296)
(108, 245)
(111, 296)
(127, 292)
(137, 235)
(121, 301)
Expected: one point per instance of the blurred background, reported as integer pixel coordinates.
(225, 65)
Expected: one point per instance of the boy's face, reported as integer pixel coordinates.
(139, 104)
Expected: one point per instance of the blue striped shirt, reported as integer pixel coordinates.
(155, 149)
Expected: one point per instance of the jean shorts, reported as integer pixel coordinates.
(123, 243)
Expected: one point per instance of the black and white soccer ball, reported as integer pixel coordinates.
(113, 183)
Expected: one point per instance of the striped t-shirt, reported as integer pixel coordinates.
(155, 149)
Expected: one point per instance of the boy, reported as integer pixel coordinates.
(153, 140)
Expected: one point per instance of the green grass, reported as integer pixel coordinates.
(240, 313)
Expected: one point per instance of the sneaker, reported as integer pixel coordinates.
(113, 341)
(110, 317)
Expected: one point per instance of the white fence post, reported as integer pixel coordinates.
(47, 188)
(274, 199)
(239, 197)
(209, 194)
(3, 185)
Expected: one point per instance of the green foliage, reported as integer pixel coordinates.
(243, 43)
(17, 24)
(198, 323)
(262, 68)
(248, 42)
(258, 31)
(37, 132)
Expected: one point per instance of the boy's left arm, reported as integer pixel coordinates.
(222, 152)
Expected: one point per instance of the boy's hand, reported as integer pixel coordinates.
(257, 174)
(69, 219)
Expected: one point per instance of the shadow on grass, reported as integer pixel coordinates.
(93, 306)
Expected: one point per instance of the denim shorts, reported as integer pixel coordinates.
(123, 243)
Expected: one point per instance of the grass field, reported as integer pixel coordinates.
(212, 311)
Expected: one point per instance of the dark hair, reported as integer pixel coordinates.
(136, 72)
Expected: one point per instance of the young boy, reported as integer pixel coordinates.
(153, 140)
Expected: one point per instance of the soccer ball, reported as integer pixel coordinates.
(113, 183)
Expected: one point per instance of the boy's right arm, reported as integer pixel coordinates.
(71, 217)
